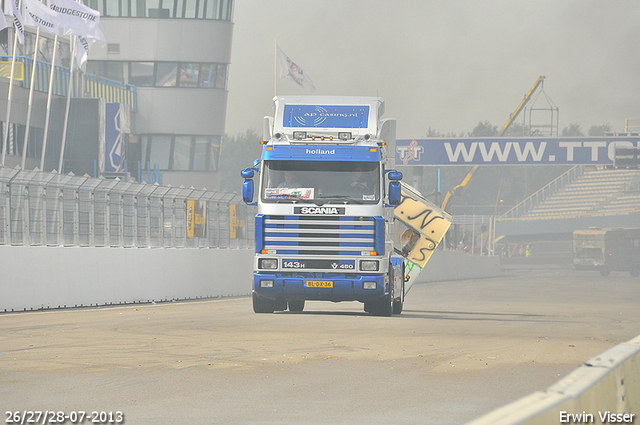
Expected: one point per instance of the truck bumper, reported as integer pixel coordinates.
(343, 288)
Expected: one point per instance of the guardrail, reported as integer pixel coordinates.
(50, 209)
(606, 389)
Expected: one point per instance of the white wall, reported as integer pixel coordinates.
(35, 277)
(456, 265)
(51, 277)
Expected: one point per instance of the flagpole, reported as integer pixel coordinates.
(13, 66)
(74, 41)
(275, 69)
(46, 121)
(33, 77)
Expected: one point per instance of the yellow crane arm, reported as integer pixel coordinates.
(459, 189)
(521, 106)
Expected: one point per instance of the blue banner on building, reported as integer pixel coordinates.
(326, 116)
(116, 129)
(512, 151)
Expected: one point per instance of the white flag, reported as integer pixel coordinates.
(3, 20)
(14, 10)
(82, 52)
(38, 14)
(289, 69)
(83, 45)
(76, 18)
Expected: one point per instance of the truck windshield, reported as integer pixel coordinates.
(321, 182)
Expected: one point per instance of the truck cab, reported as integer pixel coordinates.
(325, 194)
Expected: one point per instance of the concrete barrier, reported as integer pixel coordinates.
(604, 390)
(457, 265)
(37, 277)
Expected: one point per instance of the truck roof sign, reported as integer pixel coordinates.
(320, 153)
(326, 116)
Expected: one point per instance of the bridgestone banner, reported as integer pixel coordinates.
(77, 19)
(39, 15)
(512, 151)
(12, 8)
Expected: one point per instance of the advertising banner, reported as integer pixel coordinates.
(325, 116)
(512, 151)
(196, 219)
(116, 130)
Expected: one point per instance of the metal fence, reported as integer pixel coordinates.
(50, 209)
(474, 234)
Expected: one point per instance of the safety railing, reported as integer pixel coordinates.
(92, 85)
(51, 209)
(542, 194)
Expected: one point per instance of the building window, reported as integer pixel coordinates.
(219, 10)
(180, 152)
(189, 73)
(162, 74)
(166, 74)
(141, 74)
(159, 151)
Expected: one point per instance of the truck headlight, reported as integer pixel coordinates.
(369, 285)
(268, 263)
(266, 283)
(369, 265)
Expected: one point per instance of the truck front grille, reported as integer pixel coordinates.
(319, 235)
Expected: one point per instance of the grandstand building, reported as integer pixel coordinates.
(170, 59)
(177, 54)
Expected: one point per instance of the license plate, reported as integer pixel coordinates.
(319, 284)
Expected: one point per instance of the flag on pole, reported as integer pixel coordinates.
(3, 20)
(83, 46)
(290, 70)
(76, 18)
(13, 9)
(38, 14)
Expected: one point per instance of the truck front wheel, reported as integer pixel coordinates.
(296, 305)
(383, 306)
(262, 305)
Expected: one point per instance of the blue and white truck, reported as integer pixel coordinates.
(326, 194)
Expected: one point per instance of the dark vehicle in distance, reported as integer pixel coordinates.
(607, 250)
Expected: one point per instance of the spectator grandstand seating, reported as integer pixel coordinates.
(602, 191)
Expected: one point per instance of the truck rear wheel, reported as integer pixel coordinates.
(398, 302)
(296, 305)
(262, 305)
(635, 271)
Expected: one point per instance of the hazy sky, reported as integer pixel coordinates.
(442, 64)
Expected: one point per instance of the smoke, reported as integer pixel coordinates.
(442, 64)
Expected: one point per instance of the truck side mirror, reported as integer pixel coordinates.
(247, 192)
(395, 190)
(247, 186)
(395, 175)
(395, 193)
